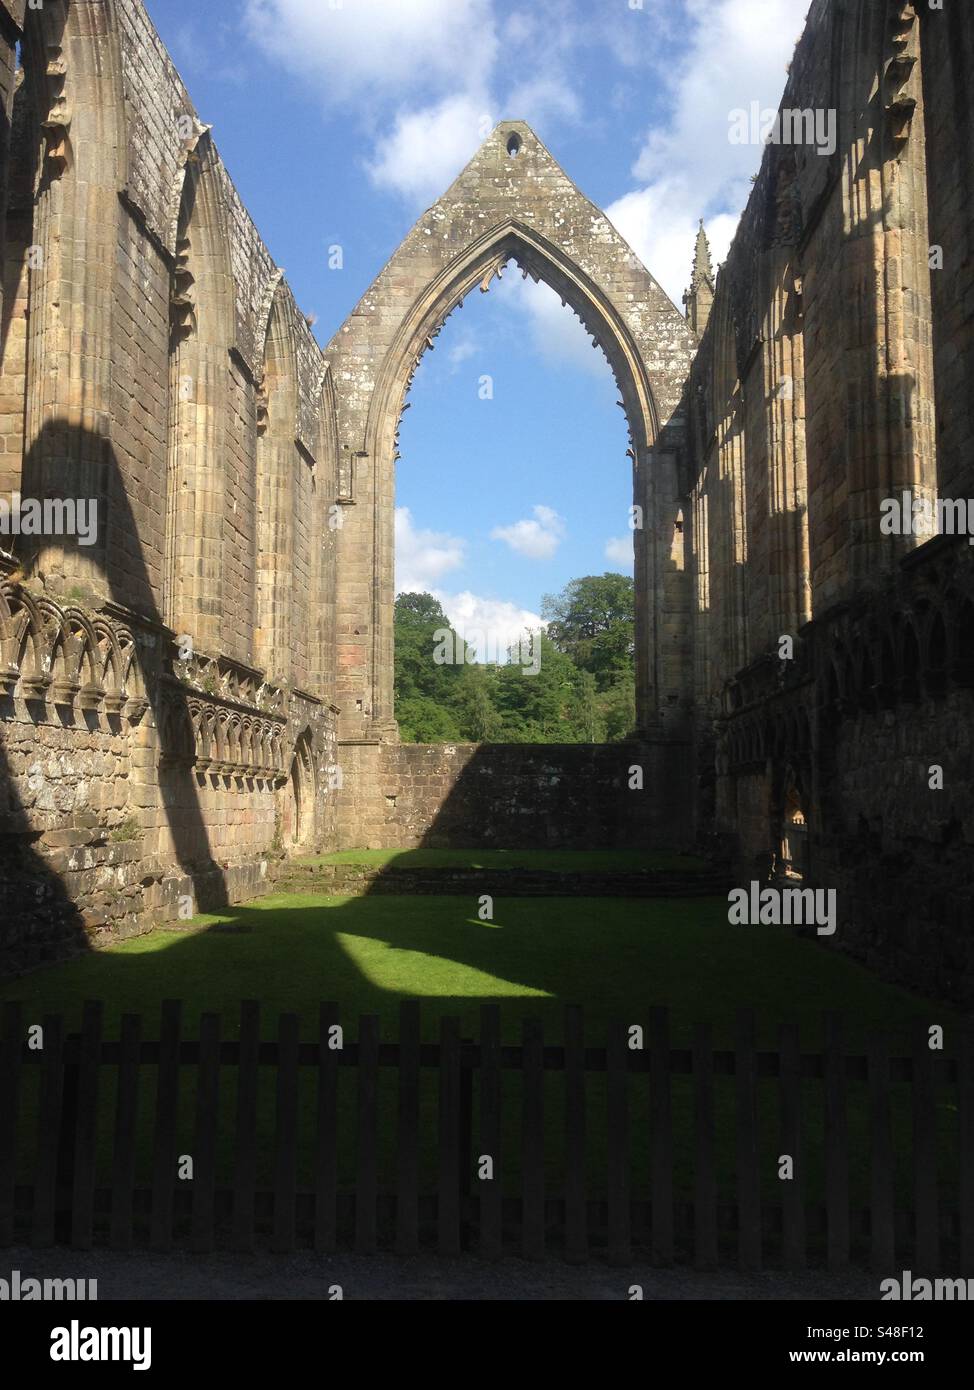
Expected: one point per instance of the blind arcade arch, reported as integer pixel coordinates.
(512, 202)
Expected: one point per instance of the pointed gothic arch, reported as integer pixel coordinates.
(278, 459)
(201, 320)
(509, 204)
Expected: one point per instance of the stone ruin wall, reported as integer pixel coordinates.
(797, 435)
(549, 796)
(157, 685)
(142, 770)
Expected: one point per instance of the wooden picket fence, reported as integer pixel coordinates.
(467, 1210)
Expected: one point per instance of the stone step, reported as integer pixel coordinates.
(518, 882)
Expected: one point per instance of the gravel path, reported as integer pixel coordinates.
(182, 1275)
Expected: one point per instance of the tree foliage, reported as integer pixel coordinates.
(582, 690)
(591, 621)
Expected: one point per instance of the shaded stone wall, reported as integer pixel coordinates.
(551, 796)
(871, 726)
(835, 372)
(159, 747)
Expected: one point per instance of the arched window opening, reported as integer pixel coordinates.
(499, 530)
(910, 665)
(963, 663)
(297, 811)
(936, 674)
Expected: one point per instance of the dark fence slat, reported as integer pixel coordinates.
(245, 1148)
(836, 1145)
(748, 1164)
(48, 1132)
(490, 1190)
(366, 1190)
(64, 1169)
(407, 1152)
(286, 1145)
(448, 1202)
(326, 1138)
(532, 1140)
(792, 1189)
(926, 1207)
(204, 1143)
(965, 1121)
(85, 1136)
(121, 1234)
(11, 1045)
(661, 1137)
(881, 1158)
(468, 1054)
(618, 1181)
(704, 1167)
(164, 1145)
(576, 1227)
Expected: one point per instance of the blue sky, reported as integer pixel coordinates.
(342, 120)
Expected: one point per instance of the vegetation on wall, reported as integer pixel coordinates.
(571, 683)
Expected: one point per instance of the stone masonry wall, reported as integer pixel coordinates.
(835, 372)
(555, 796)
(149, 766)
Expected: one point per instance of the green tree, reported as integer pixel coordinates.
(582, 690)
(422, 682)
(539, 706)
(422, 720)
(618, 705)
(592, 621)
(479, 720)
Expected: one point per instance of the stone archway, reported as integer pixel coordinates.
(511, 203)
(298, 799)
(791, 848)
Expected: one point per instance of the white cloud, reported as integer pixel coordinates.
(660, 224)
(537, 537)
(618, 551)
(423, 557)
(426, 149)
(493, 624)
(543, 98)
(369, 51)
(427, 80)
(688, 167)
(466, 346)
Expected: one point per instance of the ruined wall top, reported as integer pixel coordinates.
(163, 129)
(512, 200)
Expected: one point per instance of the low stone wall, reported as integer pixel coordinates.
(359, 880)
(523, 796)
(134, 790)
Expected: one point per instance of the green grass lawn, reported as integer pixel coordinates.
(616, 957)
(561, 860)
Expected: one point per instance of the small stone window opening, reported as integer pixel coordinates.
(513, 144)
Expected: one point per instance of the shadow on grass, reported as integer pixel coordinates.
(616, 957)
